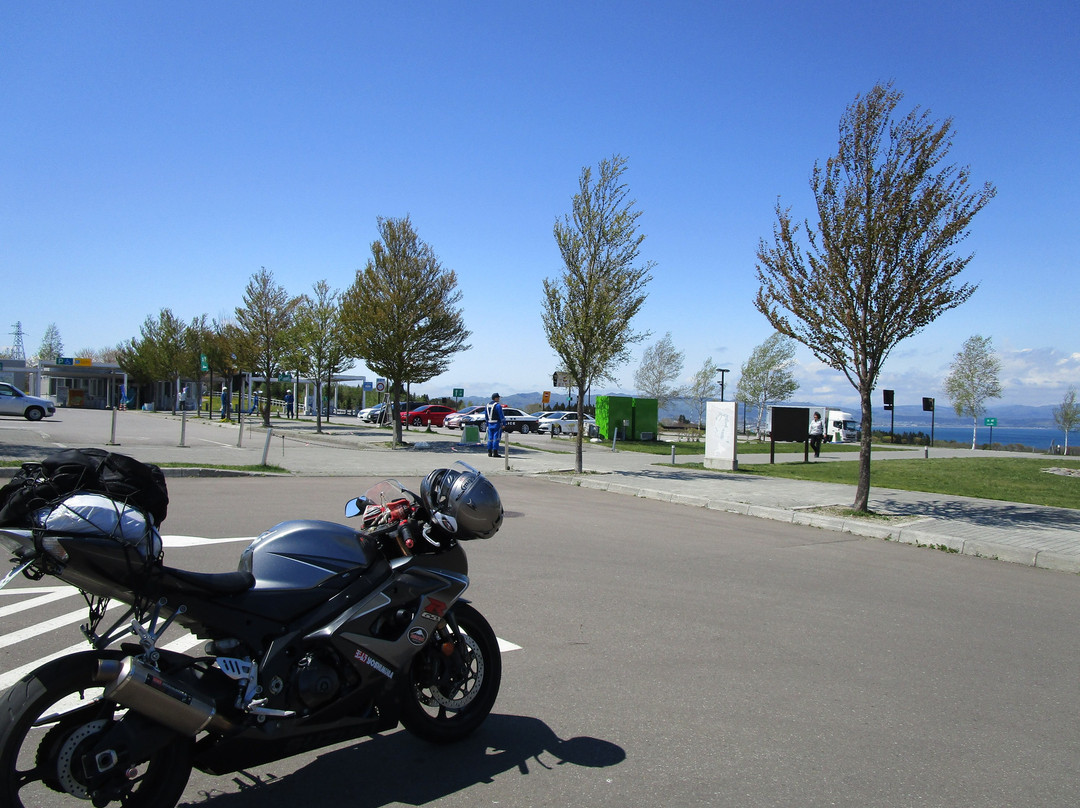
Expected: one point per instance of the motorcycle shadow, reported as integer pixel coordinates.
(397, 768)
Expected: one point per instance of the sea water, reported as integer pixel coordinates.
(1035, 438)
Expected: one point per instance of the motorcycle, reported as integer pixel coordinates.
(323, 634)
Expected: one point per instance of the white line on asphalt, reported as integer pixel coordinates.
(44, 595)
(43, 628)
(198, 541)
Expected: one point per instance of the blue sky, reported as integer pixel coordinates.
(158, 154)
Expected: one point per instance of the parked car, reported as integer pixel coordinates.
(371, 414)
(427, 415)
(14, 401)
(559, 422)
(455, 419)
(519, 421)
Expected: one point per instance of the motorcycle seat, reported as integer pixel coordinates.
(216, 583)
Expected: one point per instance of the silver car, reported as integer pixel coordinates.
(559, 422)
(14, 401)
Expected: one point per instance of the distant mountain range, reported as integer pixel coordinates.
(908, 416)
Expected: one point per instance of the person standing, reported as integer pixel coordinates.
(288, 403)
(225, 402)
(817, 433)
(495, 423)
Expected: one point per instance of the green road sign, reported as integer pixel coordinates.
(459, 392)
(989, 421)
(203, 364)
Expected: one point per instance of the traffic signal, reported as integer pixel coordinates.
(888, 395)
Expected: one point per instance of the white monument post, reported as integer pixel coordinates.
(721, 446)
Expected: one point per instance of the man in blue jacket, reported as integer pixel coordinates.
(495, 422)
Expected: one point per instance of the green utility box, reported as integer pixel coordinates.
(470, 433)
(646, 424)
(611, 412)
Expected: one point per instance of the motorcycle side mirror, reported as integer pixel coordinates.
(355, 507)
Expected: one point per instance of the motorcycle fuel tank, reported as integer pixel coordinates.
(303, 553)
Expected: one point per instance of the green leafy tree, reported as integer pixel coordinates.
(1067, 416)
(51, 345)
(319, 340)
(157, 353)
(880, 263)
(703, 387)
(264, 323)
(974, 378)
(587, 312)
(768, 375)
(401, 314)
(196, 339)
(659, 371)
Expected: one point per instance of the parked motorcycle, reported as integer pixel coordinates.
(323, 634)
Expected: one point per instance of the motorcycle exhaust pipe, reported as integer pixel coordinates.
(157, 696)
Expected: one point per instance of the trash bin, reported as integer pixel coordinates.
(470, 433)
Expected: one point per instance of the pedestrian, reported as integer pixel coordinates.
(495, 422)
(288, 403)
(254, 401)
(224, 403)
(817, 433)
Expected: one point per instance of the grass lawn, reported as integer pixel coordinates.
(1013, 479)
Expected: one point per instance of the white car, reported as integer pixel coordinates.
(14, 401)
(559, 422)
(371, 414)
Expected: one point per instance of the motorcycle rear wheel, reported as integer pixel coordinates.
(448, 697)
(47, 721)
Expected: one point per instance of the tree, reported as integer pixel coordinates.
(196, 338)
(767, 375)
(703, 387)
(319, 340)
(400, 314)
(1067, 416)
(659, 370)
(587, 311)
(264, 323)
(51, 345)
(973, 379)
(879, 265)
(158, 352)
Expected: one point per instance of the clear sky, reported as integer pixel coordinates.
(158, 154)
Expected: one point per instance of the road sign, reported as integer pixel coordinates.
(380, 385)
(547, 396)
(65, 360)
(284, 377)
(204, 366)
(459, 392)
(369, 385)
(989, 421)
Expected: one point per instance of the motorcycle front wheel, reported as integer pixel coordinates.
(50, 719)
(453, 682)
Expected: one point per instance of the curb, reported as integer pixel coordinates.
(909, 534)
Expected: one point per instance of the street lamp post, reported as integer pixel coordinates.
(722, 372)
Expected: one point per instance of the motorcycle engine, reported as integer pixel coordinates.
(314, 683)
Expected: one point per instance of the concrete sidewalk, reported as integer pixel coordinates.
(1036, 536)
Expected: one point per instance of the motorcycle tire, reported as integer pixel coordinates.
(43, 730)
(447, 697)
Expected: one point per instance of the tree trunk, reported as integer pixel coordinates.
(581, 426)
(862, 491)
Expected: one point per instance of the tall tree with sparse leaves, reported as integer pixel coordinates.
(658, 374)
(587, 311)
(319, 340)
(880, 264)
(264, 322)
(703, 386)
(974, 378)
(1067, 416)
(401, 313)
(767, 375)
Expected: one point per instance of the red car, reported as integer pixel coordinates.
(428, 415)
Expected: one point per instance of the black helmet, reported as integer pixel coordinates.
(468, 498)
